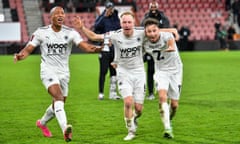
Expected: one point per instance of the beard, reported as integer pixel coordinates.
(153, 13)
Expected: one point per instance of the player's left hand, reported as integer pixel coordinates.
(78, 23)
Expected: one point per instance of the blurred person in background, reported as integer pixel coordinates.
(231, 31)
(105, 22)
(227, 5)
(184, 33)
(221, 36)
(155, 13)
(163, 23)
(235, 7)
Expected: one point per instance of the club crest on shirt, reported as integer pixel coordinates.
(119, 42)
(65, 37)
(120, 83)
(138, 39)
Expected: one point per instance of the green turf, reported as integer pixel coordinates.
(208, 113)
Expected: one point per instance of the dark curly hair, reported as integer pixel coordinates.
(150, 21)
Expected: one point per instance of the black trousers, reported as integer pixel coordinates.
(150, 72)
(105, 59)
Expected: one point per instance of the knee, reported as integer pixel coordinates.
(174, 105)
(58, 96)
(162, 96)
(138, 108)
(128, 102)
(56, 93)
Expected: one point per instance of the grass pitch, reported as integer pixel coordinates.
(208, 113)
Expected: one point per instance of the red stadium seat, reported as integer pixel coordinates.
(12, 4)
(194, 13)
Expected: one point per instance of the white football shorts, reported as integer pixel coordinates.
(171, 82)
(130, 84)
(50, 77)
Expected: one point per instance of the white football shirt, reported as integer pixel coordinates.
(55, 46)
(128, 50)
(164, 61)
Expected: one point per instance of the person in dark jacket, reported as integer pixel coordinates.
(104, 23)
(184, 38)
(221, 36)
(163, 23)
(230, 32)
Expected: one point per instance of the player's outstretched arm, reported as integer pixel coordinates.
(89, 47)
(27, 50)
(171, 46)
(78, 24)
(172, 30)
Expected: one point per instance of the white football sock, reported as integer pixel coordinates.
(48, 115)
(113, 86)
(136, 115)
(165, 115)
(130, 124)
(60, 114)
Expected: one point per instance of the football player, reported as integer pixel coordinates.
(129, 65)
(55, 41)
(168, 70)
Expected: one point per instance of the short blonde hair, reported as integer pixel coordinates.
(127, 13)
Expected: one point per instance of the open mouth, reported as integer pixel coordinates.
(152, 39)
(60, 20)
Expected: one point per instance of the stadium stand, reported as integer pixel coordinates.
(194, 13)
(32, 15)
(199, 15)
(13, 11)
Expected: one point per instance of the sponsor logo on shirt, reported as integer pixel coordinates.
(56, 48)
(130, 52)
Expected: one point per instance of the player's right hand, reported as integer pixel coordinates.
(17, 57)
(114, 65)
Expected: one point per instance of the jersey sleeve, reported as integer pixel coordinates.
(112, 37)
(77, 38)
(167, 36)
(35, 39)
